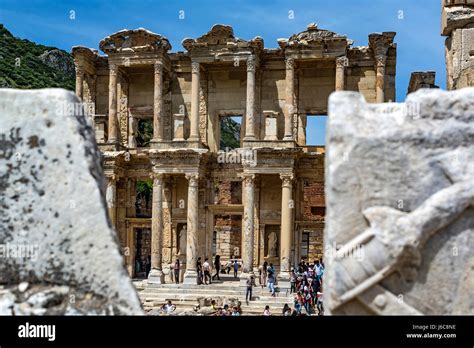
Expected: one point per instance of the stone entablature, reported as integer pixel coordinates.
(421, 79)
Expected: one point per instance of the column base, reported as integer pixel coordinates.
(288, 138)
(284, 280)
(156, 277)
(190, 277)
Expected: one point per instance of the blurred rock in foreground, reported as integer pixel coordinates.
(59, 253)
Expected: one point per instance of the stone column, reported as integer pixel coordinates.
(156, 273)
(341, 64)
(196, 73)
(158, 102)
(112, 137)
(79, 81)
(290, 100)
(248, 186)
(190, 276)
(111, 198)
(250, 103)
(256, 224)
(381, 61)
(287, 209)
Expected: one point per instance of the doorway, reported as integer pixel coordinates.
(142, 262)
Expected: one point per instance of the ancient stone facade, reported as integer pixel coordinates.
(458, 26)
(260, 188)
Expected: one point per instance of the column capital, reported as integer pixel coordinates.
(251, 63)
(195, 67)
(193, 178)
(247, 178)
(79, 71)
(112, 179)
(290, 63)
(157, 178)
(158, 67)
(380, 60)
(342, 62)
(287, 179)
(113, 69)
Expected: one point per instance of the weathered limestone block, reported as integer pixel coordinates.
(400, 204)
(457, 23)
(456, 16)
(421, 79)
(59, 253)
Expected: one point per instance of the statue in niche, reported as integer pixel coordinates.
(272, 245)
(133, 125)
(182, 241)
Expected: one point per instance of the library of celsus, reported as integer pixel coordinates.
(205, 150)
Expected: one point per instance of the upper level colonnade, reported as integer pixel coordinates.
(187, 93)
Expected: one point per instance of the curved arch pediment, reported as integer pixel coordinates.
(135, 40)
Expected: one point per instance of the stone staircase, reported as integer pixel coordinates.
(185, 297)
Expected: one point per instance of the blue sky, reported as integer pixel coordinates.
(417, 23)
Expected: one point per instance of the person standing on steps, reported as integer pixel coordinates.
(228, 266)
(250, 285)
(236, 268)
(148, 265)
(263, 274)
(207, 271)
(271, 281)
(199, 271)
(293, 281)
(176, 271)
(217, 265)
(271, 269)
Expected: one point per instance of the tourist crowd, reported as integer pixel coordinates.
(306, 283)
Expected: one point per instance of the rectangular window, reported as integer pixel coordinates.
(230, 131)
(305, 245)
(144, 132)
(318, 211)
(316, 129)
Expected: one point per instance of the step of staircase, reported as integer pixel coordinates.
(185, 296)
(193, 301)
(210, 292)
(212, 286)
